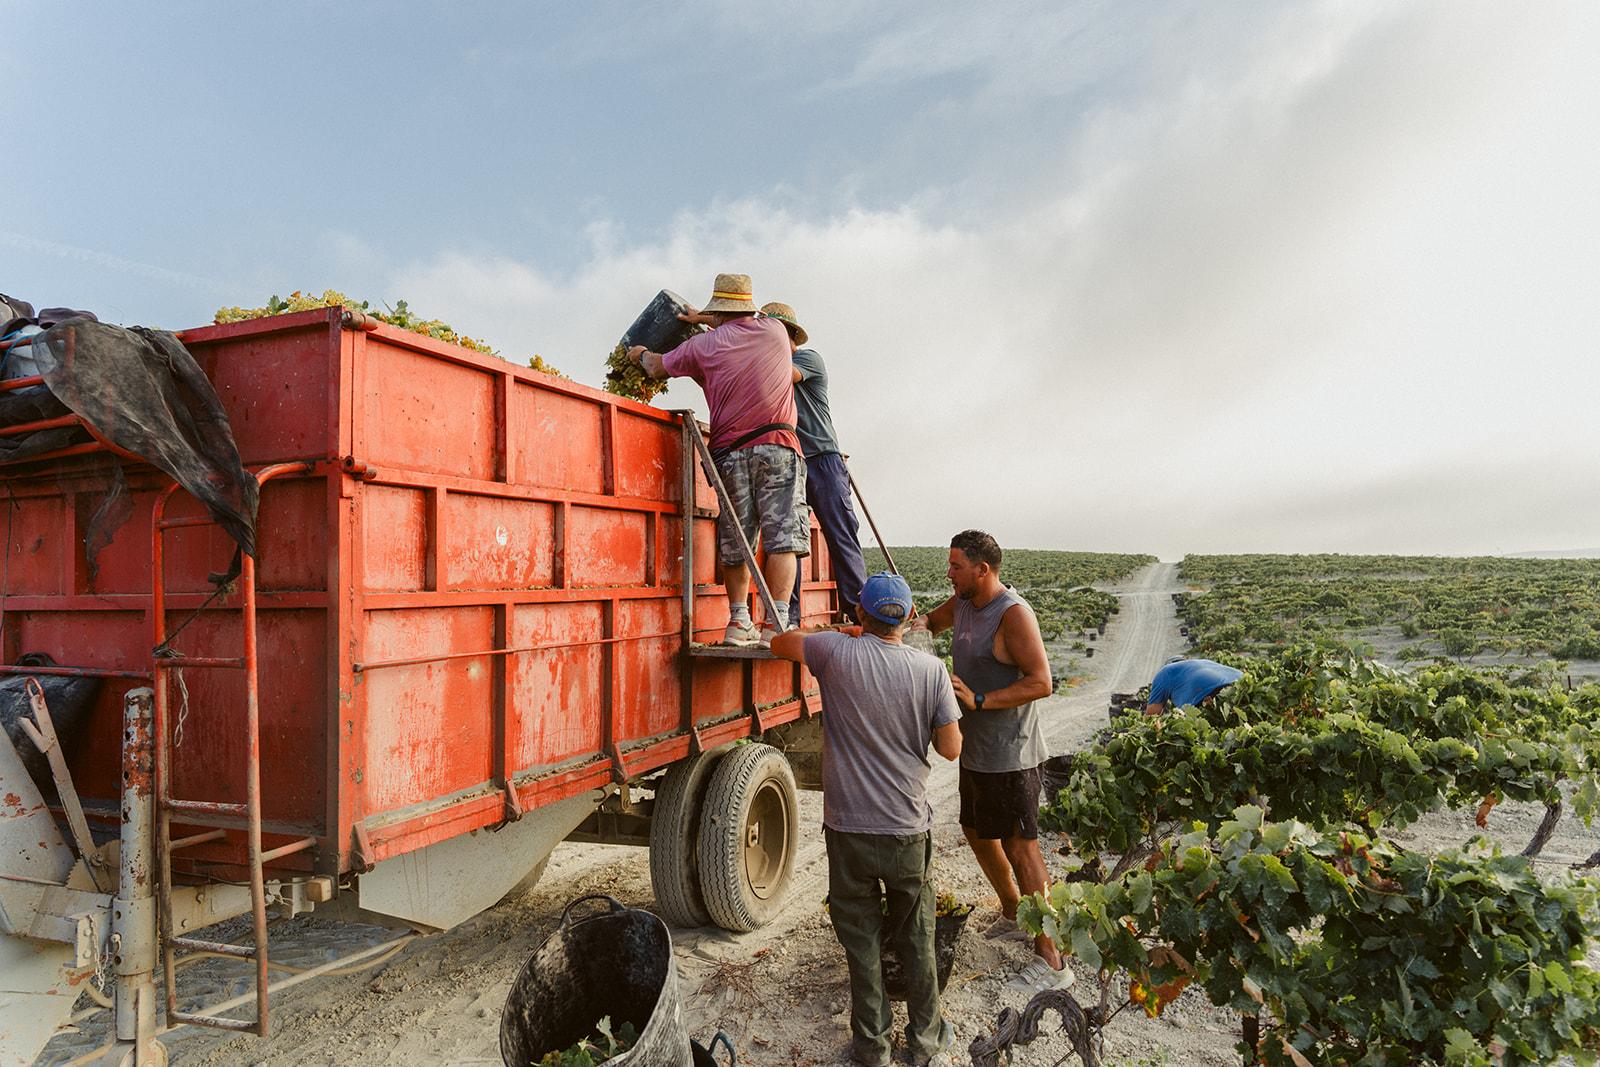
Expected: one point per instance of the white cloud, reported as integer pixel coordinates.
(1314, 264)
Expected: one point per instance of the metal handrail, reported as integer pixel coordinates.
(197, 812)
(714, 476)
(882, 547)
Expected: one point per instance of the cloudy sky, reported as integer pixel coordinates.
(1121, 276)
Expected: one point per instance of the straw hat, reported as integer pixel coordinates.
(731, 293)
(785, 314)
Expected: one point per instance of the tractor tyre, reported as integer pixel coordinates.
(749, 833)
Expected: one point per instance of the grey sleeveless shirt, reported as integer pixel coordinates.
(1009, 739)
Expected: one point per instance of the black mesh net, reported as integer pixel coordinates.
(142, 391)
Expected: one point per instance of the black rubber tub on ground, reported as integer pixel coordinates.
(617, 964)
(946, 937)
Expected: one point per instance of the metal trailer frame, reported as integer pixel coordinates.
(386, 458)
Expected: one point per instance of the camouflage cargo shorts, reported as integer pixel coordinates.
(767, 487)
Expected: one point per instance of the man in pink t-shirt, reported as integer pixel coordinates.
(744, 366)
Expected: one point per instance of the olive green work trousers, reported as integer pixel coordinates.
(879, 891)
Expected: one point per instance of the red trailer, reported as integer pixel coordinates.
(469, 611)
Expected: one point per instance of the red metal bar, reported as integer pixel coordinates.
(203, 807)
(686, 591)
(298, 600)
(20, 383)
(288, 850)
(18, 342)
(219, 662)
(75, 672)
(221, 948)
(251, 808)
(406, 478)
(252, 716)
(42, 424)
(586, 643)
(163, 772)
(108, 446)
(196, 520)
(198, 839)
(61, 453)
(215, 1022)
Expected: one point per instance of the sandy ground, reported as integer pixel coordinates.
(781, 992)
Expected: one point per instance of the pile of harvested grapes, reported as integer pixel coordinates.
(626, 378)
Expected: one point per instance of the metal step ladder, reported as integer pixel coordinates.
(694, 444)
(219, 816)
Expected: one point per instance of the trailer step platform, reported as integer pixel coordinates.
(702, 651)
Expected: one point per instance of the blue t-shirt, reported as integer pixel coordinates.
(1189, 681)
(812, 416)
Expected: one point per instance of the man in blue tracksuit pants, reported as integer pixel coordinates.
(827, 481)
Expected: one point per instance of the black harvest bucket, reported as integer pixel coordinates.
(615, 963)
(946, 938)
(658, 327)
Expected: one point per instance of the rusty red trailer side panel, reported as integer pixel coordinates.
(472, 606)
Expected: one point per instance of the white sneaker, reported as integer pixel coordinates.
(1004, 929)
(1039, 976)
(767, 634)
(740, 633)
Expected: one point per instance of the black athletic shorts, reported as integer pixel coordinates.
(1001, 805)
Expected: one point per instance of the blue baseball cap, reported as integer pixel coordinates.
(887, 598)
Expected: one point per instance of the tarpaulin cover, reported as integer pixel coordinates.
(144, 392)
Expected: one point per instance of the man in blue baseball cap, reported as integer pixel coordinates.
(886, 704)
(1188, 683)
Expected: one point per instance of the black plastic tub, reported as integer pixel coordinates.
(946, 937)
(615, 964)
(658, 327)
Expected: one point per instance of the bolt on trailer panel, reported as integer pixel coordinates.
(468, 608)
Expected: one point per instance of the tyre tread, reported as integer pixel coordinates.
(674, 830)
(721, 830)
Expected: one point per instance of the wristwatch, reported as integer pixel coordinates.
(977, 701)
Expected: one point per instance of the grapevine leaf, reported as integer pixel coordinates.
(1140, 887)
(1084, 948)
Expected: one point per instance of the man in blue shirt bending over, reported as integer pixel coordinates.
(1187, 683)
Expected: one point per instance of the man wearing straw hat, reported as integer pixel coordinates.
(827, 481)
(744, 367)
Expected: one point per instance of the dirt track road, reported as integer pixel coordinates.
(781, 992)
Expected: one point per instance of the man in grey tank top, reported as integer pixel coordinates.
(1001, 669)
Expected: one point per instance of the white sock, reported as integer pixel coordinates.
(739, 613)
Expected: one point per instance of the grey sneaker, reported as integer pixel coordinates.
(1004, 929)
(1039, 976)
(767, 634)
(740, 633)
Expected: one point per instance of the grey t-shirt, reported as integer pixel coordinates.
(881, 702)
(813, 420)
